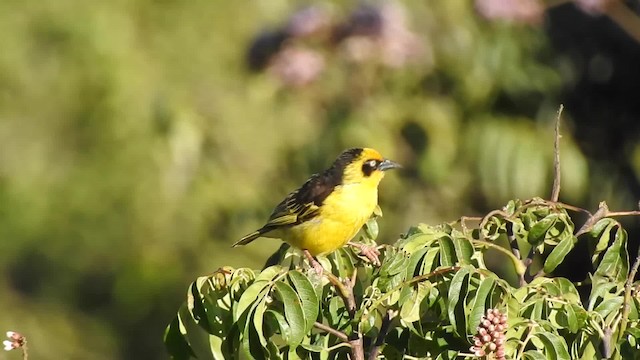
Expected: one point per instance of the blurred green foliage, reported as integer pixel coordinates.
(135, 147)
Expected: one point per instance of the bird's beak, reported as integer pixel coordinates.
(388, 165)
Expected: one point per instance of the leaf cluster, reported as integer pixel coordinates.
(427, 298)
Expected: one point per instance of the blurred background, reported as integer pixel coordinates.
(139, 139)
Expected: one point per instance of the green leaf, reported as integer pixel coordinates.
(539, 231)
(251, 345)
(176, 342)
(447, 251)
(464, 250)
(554, 346)
(258, 320)
(602, 232)
(600, 287)
(410, 308)
(609, 306)
(371, 228)
(568, 290)
(293, 313)
(480, 303)
(308, 298)
(456, 296)
(253, 294)
(277, 318)
(615, 262)
(559, 252)
(534, 355)
(394, 264)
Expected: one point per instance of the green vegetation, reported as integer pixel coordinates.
(135, 147)
(433, 297)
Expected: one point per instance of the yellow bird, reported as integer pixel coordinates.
(329, 209)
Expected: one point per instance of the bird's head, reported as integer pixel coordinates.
(363, 165)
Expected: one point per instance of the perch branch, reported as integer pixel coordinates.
(627, 294)
(555, 193)
(326, 328)
(384, 330)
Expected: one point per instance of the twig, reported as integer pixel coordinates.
(515, 249)
(513, 242)
(357, 348)
(626, 308)
(517, 264)
(555, 193)
(384, 330)
(346, 292)
(486, 218)
(326, 328)
(603, 211)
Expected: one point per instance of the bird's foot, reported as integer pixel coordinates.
(313, 262)
(371, 252)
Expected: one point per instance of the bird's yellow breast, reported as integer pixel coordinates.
(342, 214)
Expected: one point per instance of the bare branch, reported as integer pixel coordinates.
(384, 330)
(555, 193)
(603, 211)
(626, 307)
(326, 328)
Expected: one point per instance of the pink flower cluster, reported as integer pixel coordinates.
(490, 337)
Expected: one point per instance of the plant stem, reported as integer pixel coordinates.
(626, 307)
(384, 330)
(326, 328)
(555, 193)
(517, 263)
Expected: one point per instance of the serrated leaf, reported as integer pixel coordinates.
(292, 312)
(455, 300)
(554, 346)
(308, 298)
(559, 252)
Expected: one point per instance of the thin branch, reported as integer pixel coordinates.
(486, 218)
(517, 264)
(357, 348)
(346, 292)
(555, 193)
(623, 213)
(603, 211)
(326, 328)
(513, 242)
(626, 308)
(384, 330)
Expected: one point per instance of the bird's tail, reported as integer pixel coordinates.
(250, 237)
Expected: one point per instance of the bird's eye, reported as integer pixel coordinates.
(369, 166)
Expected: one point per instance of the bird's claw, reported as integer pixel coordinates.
(371, 252)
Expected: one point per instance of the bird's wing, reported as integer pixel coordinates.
(303, 204)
